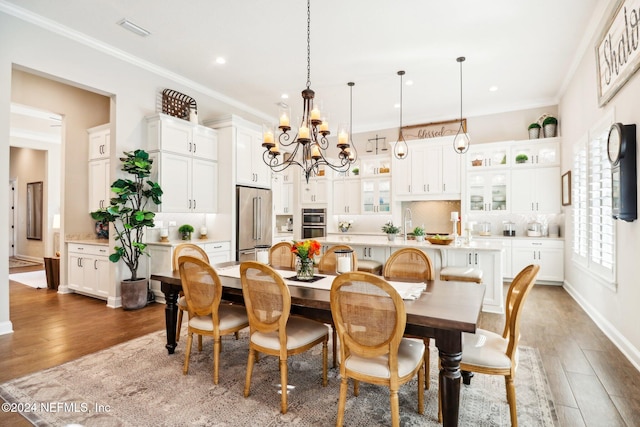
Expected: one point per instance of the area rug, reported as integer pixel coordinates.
(137, 383)
(35, 279)
(16, 262)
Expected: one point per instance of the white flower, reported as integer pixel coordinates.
(345, 224)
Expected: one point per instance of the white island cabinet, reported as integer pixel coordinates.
(484, 255)
(88, 269)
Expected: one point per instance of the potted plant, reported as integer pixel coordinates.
(534, 131)
(419, 233)
(186, 230)
(356, 171)
(549, 125)
(304, 251)
(391, 230)
(128, 213)
(522, 158)
(344, 226)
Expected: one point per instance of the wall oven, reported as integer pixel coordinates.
(314, 223)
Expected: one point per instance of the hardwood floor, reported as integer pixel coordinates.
(592, 383)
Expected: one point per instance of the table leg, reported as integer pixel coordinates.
(450, 348)
(170, 314)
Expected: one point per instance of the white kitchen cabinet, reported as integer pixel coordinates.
(189, 184)
(314, 192)
(376, 195)
(218, 252)
(99, 142)
(346, 196)
(506, 253)
(375, 165)
(488, 191)
(174, 135)
(375, 253)
(490, 155)
(282, 186)
(549, 254)
(99, 184)
(535, 190)
(88, 267)
(541, 152)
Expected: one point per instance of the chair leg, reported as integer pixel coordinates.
(427, 363)
(237, 334)
(344, 385)
(511, 398)
(199, 342)
(395, 408)
(283, 386)
(439, 400)
(325, 352)
(179, 325)
(247, 381)
(421, 382)
(216, 359)
(334, 337)
(356, 388)
(185, 368)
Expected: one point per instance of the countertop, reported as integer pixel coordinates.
(87, 241)
(399, 242)
(194, 241)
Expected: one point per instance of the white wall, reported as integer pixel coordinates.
(616, 311)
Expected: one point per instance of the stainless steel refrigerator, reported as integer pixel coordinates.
(253, 225)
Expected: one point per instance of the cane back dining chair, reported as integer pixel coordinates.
(281, 257)
(328, 260)
(203, 292)
(186, 249)
(370, 317)
(414, 265)
(272, 330)
(487, 352)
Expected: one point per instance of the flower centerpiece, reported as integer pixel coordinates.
(344, 226)
(305, 251)
(391, 230)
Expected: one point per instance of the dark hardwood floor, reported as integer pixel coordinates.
(592, 383)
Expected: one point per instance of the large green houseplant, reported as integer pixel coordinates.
(129, 214)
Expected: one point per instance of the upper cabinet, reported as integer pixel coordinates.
(99, 171)
(282, 186)
(535, 190)
(536, 153)
(315, 192)
(430, 171)
(346, 196)
(246, 137)
(492, 155)
(99, 142)
(488, 191)
(185, 164)
(375, 166)
(376, 195)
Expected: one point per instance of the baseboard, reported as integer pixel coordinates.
(114, 302)
(6, 327)
(619, 340)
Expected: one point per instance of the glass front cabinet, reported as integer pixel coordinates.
(488, 191)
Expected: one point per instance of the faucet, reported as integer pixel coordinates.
(407, 222)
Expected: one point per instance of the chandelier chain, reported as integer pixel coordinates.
(308, 44)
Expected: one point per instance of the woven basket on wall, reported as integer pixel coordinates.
(177, 104)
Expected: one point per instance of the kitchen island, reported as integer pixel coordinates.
(482, 254)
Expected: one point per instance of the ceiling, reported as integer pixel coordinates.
(526, 48)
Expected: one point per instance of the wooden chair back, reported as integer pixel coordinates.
(516, 296)
(408, 264)
(369, 316)
(188, 249)
(327, 264)
(201, 285)
(281, 257)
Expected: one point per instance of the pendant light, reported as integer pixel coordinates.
(400, 149)
(352, 154)
(461, 142)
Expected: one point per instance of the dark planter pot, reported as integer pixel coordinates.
(133, 294)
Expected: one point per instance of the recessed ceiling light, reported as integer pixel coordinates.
(284, 96)
(397, 105)
(136, 29)
(409, 83)
(221, 60)
(493, 88)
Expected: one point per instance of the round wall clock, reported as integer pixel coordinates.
(615, 143)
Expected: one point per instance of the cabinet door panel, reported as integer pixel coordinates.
(176, 137)
(175, 181)
(204, 186)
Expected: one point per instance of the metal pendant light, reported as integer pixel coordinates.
(461, 142)
(400, 149)
(353, 154)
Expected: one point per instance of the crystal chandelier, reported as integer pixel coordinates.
(461, 142)
(310, 143)
(400, 149)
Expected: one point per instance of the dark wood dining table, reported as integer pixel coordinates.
(443, 311)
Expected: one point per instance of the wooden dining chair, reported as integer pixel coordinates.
(186, 249)
(272, 330)
(487, 352)
(414, 265)
(370, 317)
(327, 263)
(281, 257)
(203, 292)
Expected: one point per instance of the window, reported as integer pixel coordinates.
(593, 225)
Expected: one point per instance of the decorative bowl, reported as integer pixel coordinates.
(441, 241)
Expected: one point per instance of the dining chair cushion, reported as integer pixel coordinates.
(410, 354)
(231, 316)
(486, 349)
(300, 332)
(461, 272)
(182, 302)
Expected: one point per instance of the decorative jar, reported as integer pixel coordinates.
(304, 268)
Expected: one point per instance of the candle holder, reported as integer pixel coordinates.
(344, 260)
(262, 253)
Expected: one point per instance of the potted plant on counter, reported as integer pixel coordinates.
(549, 125)
(391, 230)
(128, 213)
(186, 230)
(534, 131)
(419, 233)
(522, 158)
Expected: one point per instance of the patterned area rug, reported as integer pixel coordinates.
(138, 383)
(16, 262)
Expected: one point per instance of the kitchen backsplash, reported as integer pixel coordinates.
(520, 220)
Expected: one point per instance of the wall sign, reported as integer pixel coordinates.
(618, 49)
(434, 130)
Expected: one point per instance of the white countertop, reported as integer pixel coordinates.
(100, 242)
(399, 242)
(194, 241)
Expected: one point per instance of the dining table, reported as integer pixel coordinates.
(443, 310)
